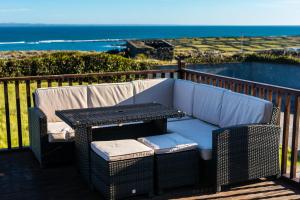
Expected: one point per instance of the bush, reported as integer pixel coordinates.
(255, 57)
(272, 58)
(69, 63)
(213, 59)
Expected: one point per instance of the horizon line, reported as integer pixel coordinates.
(80, 24)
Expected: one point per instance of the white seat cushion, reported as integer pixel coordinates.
(110, 94)
(154, 90)
(207, 103)
(168, 143)
(60, 98)
(240, 109)
(198, 131)
(183, 96)
(60, 132)
(120, 149)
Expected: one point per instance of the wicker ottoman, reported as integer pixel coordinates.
(122, 168)
(176, 161)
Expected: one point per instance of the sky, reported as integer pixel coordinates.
(152, 12)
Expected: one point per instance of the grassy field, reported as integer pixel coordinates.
(24, 116)
(232, 45)
(13, 114)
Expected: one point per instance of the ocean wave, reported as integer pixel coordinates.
(75, 41)
(63, 41)
(114, 46)
(20, 42)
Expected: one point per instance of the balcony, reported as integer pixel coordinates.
(22, 177)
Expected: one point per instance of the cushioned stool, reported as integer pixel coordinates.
(122, 168)
(176, 161)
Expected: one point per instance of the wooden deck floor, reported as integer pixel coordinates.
(21, 178)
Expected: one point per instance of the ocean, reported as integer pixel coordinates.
(104, 38)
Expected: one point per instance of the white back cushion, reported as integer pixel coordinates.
(110, 94)
(60, 98)
(240, 109)
(154, 90)
(207, 103)
(183, 96)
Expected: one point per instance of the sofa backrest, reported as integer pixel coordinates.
(183, 96)
(110, 94)
(207, 103)
(154, 90)
(60, 98)
(240, 109)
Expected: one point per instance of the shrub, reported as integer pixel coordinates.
(69, 63)
(255, 57)
(272, 58)
(213, 59)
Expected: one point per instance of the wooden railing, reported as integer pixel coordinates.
(17, 98)
(285, 98)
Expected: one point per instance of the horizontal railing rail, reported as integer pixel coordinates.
(89, 75)
(189, 72)
(17, 98)
(287, 99)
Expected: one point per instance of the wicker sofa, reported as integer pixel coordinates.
(237, 135)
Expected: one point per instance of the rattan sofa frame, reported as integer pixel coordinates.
(239, 153)
(245, 152)
(47, 153)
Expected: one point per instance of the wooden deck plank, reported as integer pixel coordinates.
(22, 178)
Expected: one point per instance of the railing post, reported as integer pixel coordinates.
(294, 155)
(181, 67)
(28, 94)
(7, 114)
(18, 109)
(285, 137)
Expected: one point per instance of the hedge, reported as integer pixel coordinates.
(213, 59)
(69, 63)
(254, 57)
(285, 59)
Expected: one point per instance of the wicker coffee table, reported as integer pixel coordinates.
(83, 121)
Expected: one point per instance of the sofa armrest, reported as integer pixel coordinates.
(37, 131)
(275, 118)
(245, 152)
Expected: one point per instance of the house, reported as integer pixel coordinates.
(156, 49)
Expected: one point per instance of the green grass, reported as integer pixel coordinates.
(24, 117)
(13, 114)
(288, 158)
(233, 45)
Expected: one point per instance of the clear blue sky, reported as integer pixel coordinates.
(188, 12)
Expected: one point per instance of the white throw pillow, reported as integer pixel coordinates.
(240, 109)
(60, 98)
(184, 96)
(110, 94)
(207, 103)
(154, 90)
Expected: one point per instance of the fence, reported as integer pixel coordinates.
(17, 98)
(286, 98)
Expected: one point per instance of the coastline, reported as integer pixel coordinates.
(108, 37)
(194, 45)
